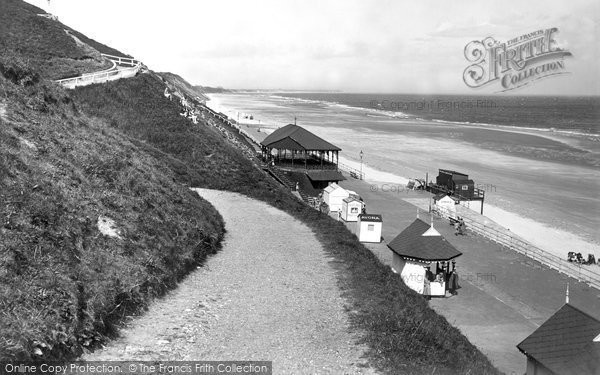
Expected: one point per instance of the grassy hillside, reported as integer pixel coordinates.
(45, 43)
(197, 153)
(65, 286)
(403, 333)
(211, 90)
(174, 80)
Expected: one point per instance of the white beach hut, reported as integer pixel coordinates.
(445, 205)
(334, 195)
(369, 227)
(351, 208)
(421, 255)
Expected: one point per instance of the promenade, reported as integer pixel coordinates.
(505, 295)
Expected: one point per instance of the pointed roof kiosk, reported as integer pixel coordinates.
(295, 149)
(568, 343)
(425, 260)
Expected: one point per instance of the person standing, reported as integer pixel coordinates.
(453, 283)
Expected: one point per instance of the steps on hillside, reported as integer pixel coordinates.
(280, 177)
(289, 180)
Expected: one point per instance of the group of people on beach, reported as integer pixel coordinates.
(578, 258)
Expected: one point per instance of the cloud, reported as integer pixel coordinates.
(358, 45)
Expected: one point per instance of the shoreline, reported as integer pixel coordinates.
(553, 240)
(580, 148)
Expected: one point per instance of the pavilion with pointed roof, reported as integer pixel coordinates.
(294, 148)
(421, 242)
(420, 253)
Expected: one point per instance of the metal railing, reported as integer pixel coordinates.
(353, 171)
(589, 274)
(122, 60)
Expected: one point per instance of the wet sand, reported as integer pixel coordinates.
(541, 185)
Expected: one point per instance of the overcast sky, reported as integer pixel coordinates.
(349, 45)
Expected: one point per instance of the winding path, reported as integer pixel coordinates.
(122, 67)
(269, 294)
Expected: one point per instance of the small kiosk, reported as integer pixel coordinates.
(333, 196)
(369, 228)
(445, 205)
(425, 260)
(351, 208)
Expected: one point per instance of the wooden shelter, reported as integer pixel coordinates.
(568, 343)
(459, 186)
(456, 182)
(422, 257)
(293, 147)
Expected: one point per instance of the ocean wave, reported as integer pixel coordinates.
(519, 128)
(289, 99)
(386, 113)
(332, 104)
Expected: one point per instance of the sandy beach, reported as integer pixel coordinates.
(519, 193)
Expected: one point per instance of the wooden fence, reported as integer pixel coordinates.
(110, 74)
(589, 274)
(353, 171)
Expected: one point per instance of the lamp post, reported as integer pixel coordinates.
(361, 156)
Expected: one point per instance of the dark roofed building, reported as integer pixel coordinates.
(420, 249)
(320, 179)
(294, 137)
(293, 148)
(568, 343)
(420, 241)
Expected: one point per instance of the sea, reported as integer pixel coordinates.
(536, 157)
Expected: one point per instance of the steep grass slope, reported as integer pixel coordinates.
(53, 49)
(64, 285)
(197, 153)
(175, 80)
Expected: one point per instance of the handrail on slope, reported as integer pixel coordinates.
(110, 74)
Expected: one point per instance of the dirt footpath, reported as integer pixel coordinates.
(269, 294)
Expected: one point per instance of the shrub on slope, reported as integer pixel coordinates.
(64, 284)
